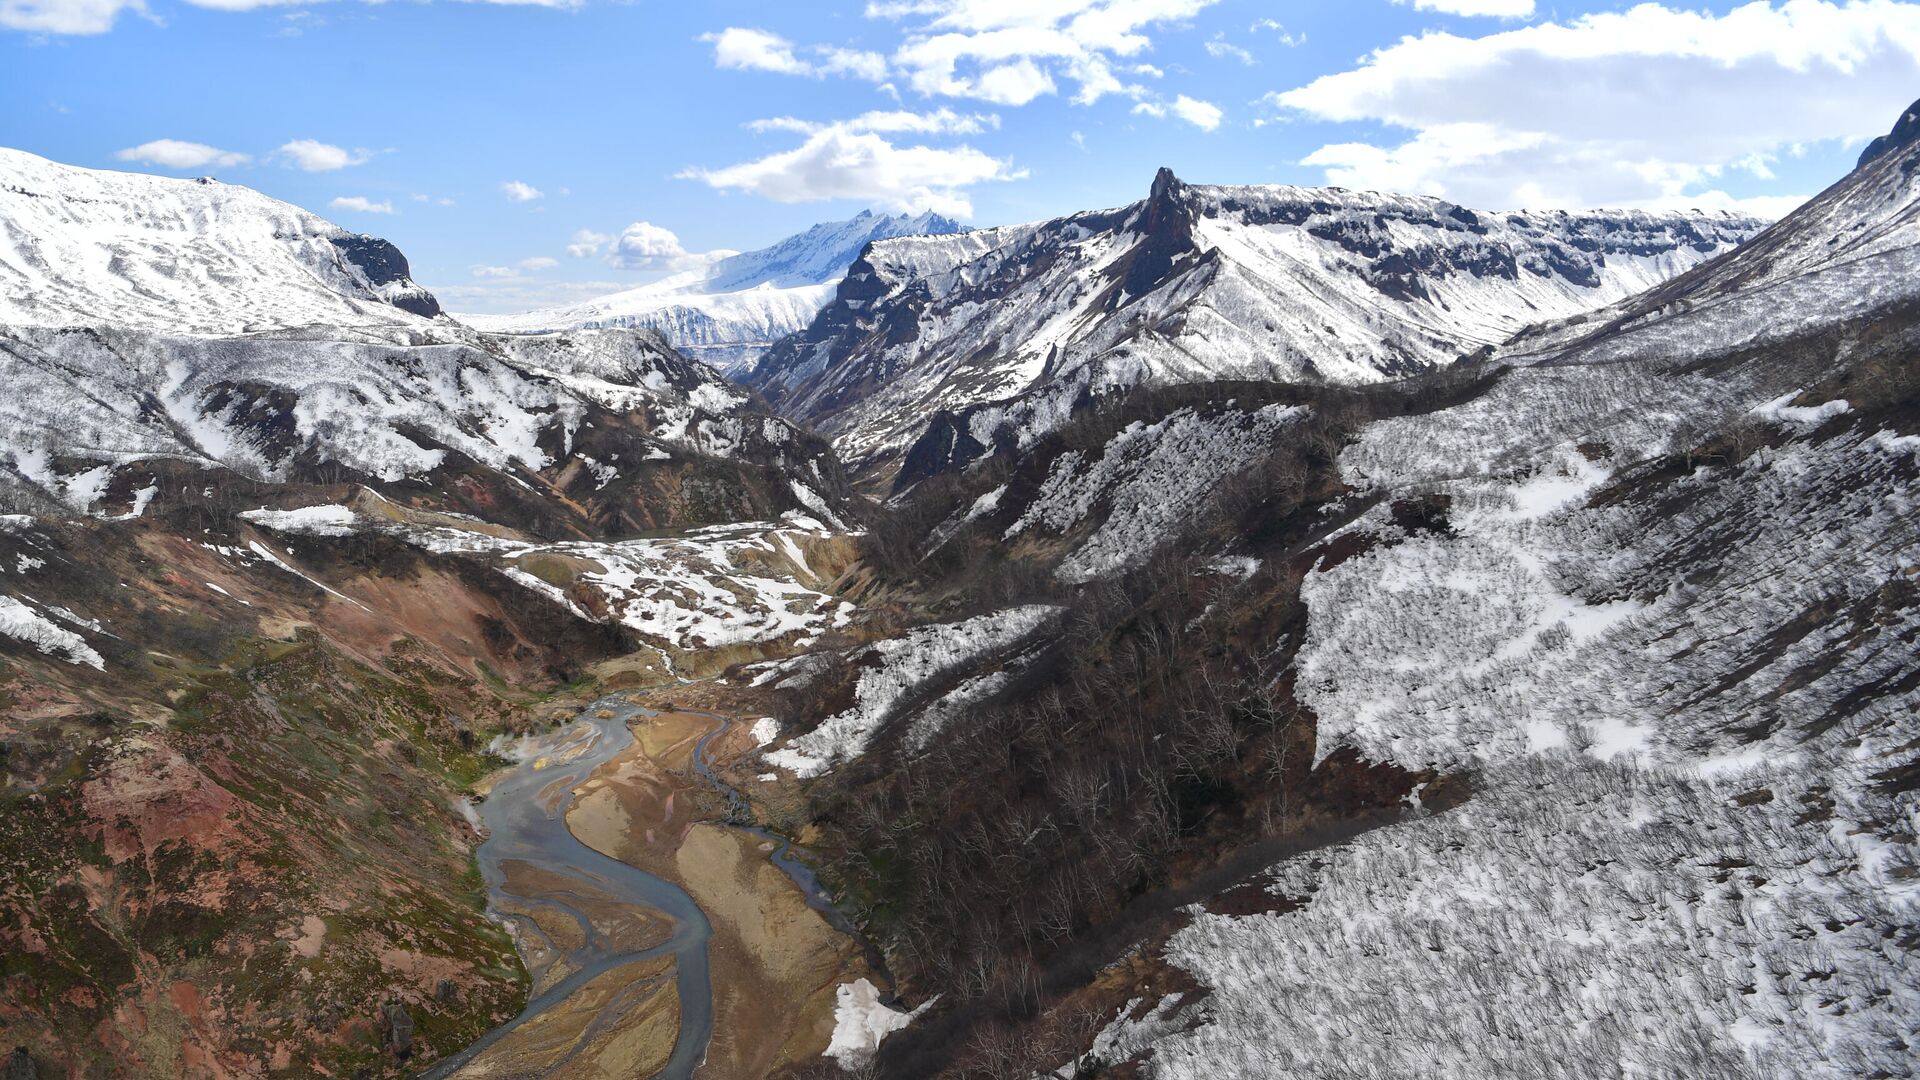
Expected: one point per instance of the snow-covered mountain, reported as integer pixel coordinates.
(1199, 283)
(145, 319)
(1669, 626)
(728, 314)
(1621, 622)
(81, 247)
(822, 254)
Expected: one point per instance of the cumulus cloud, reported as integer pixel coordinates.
(856, 160)
(362, 204)
(1505, 9)
(743, 48)
(998, 51)
(176, 154)
(1650, 106)
(521, 192)
(482, 271)
(539, 262)
(1201, 114)
(587, 243)
(312, 155)
(646, 246)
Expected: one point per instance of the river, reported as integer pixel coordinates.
(525, 819)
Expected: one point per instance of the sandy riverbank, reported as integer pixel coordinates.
(775, 961)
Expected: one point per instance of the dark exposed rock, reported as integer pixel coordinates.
(399, 1027)
(385, 265)
(445, 992)
(1904, 133)
(947, 444)
(20, 1066)
(1166, 225)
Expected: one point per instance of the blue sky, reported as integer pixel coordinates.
(528, 153)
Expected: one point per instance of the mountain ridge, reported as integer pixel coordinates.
(1202, 282)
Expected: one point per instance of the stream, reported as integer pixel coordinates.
(738, 817)
(525, 818)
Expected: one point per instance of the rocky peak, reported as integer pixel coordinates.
(1905, 133)
(1165, 185)
(1166, 227)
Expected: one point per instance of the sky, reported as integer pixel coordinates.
(545, 151)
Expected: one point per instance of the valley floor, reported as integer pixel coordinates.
(773, 962)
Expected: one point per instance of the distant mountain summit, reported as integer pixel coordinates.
(731, 312)
(1012, 325)
(820, 255)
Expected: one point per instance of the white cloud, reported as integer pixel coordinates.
(481, 271)
(646, 246)
(362, 204)
(1505, 9)
(175, 154)
(1001, 51)
(841, 161)
(745, 49)
(539, 262)
(1204, 115)
(311, 155)
(1220, 48)
(521, 192)
(587, 243)
(870, 66)
(1279, 30)
(937, 122)
(1643, 107)
(741, 48)
(65, 16)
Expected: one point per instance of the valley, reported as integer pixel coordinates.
(1254, 631)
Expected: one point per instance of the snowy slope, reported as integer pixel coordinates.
(390, 407)
(1149, 479)
(893, 671)
(747, 583)
(728, 330)
(822, 254)
(146, 318)
(730, 313)
(81, 246)
(1684, 685)
(1198, 284)
(1854, 249)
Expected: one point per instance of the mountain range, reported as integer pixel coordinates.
(731, 311)
(963, 340)
(1254, 631)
